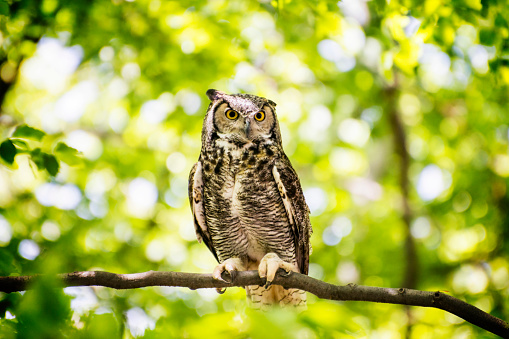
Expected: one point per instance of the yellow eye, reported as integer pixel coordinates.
(231, 114)
(259, 116)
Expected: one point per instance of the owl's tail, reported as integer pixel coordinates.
(262, 299)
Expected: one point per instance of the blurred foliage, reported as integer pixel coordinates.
(113, 92)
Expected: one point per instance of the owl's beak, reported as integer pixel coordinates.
(247, 128)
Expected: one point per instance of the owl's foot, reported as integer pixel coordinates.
(229, 265)
(269, 265)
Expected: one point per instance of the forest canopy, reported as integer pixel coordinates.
(393, 113)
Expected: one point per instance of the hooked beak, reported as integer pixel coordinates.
(247, 128)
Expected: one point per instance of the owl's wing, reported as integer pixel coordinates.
(195, 190)
(296, 208)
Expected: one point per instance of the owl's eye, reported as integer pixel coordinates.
(259, 116)
(231, 114)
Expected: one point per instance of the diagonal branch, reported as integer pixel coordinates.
(319, 288)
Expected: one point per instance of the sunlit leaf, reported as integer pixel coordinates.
(68, 154)
(28, 132)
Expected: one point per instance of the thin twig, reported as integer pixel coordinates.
(319, 288)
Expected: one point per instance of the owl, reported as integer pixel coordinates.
(246, 198)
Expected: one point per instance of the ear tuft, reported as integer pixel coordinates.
(272, 103)
(214, 94)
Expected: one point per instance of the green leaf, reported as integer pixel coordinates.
(8, 151)
(50, 163)
(4, 8)
(27, 132)
(37, 158)
(45, 161)
(67, 154)
(20, 144)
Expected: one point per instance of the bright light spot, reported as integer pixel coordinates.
(9, 315)
(138, 321)
(99, 182)
(371, 54)
(302, 75)
(410, 107)
(347, 273)
(28, 249)
(420, 228)
(176, 162)
(5, 231)
(118, 88)
(155, 250)
(355, 9)
(371, 115)
(412, 27)
(353, 131)
(208, 294)
(123, 232)
(50, 230)
(187, 46)
(435, 68)
(501, 165)
(332, 51)
(141, 197)
(66, 197)
(84, 299)
(346, 161)
(341, 227)
(471, 279)
(431, 183)
(71, 106)
(463, 241)
(354, 40)
(106, 53)
(316, 199)
(175, 21)
(130, 71)
(52, 64)
(318, 121)
(155, 111)
(176, 253)
(364, 189)
(118, 119)
(190, 101)
(85, 142)
(479, 58)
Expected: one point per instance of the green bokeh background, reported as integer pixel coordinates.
(124, 83)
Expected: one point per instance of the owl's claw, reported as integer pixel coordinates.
(269, 266)
(229, 265)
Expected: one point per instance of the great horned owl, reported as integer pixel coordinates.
(246, 198)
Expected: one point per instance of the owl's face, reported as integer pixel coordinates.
(241, 117)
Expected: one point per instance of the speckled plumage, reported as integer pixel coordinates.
(246, 198)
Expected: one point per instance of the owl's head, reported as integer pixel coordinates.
(240, 118)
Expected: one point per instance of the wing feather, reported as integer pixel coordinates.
(296, 208)
(195, 190)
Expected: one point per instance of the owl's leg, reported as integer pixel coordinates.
(229, 265)
(269, 265)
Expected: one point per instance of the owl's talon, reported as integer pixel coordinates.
(229, 267)
(269, 266)
(221, 290)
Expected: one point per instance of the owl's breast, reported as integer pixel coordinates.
(243, 205)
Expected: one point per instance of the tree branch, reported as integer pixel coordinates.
(319, 288)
